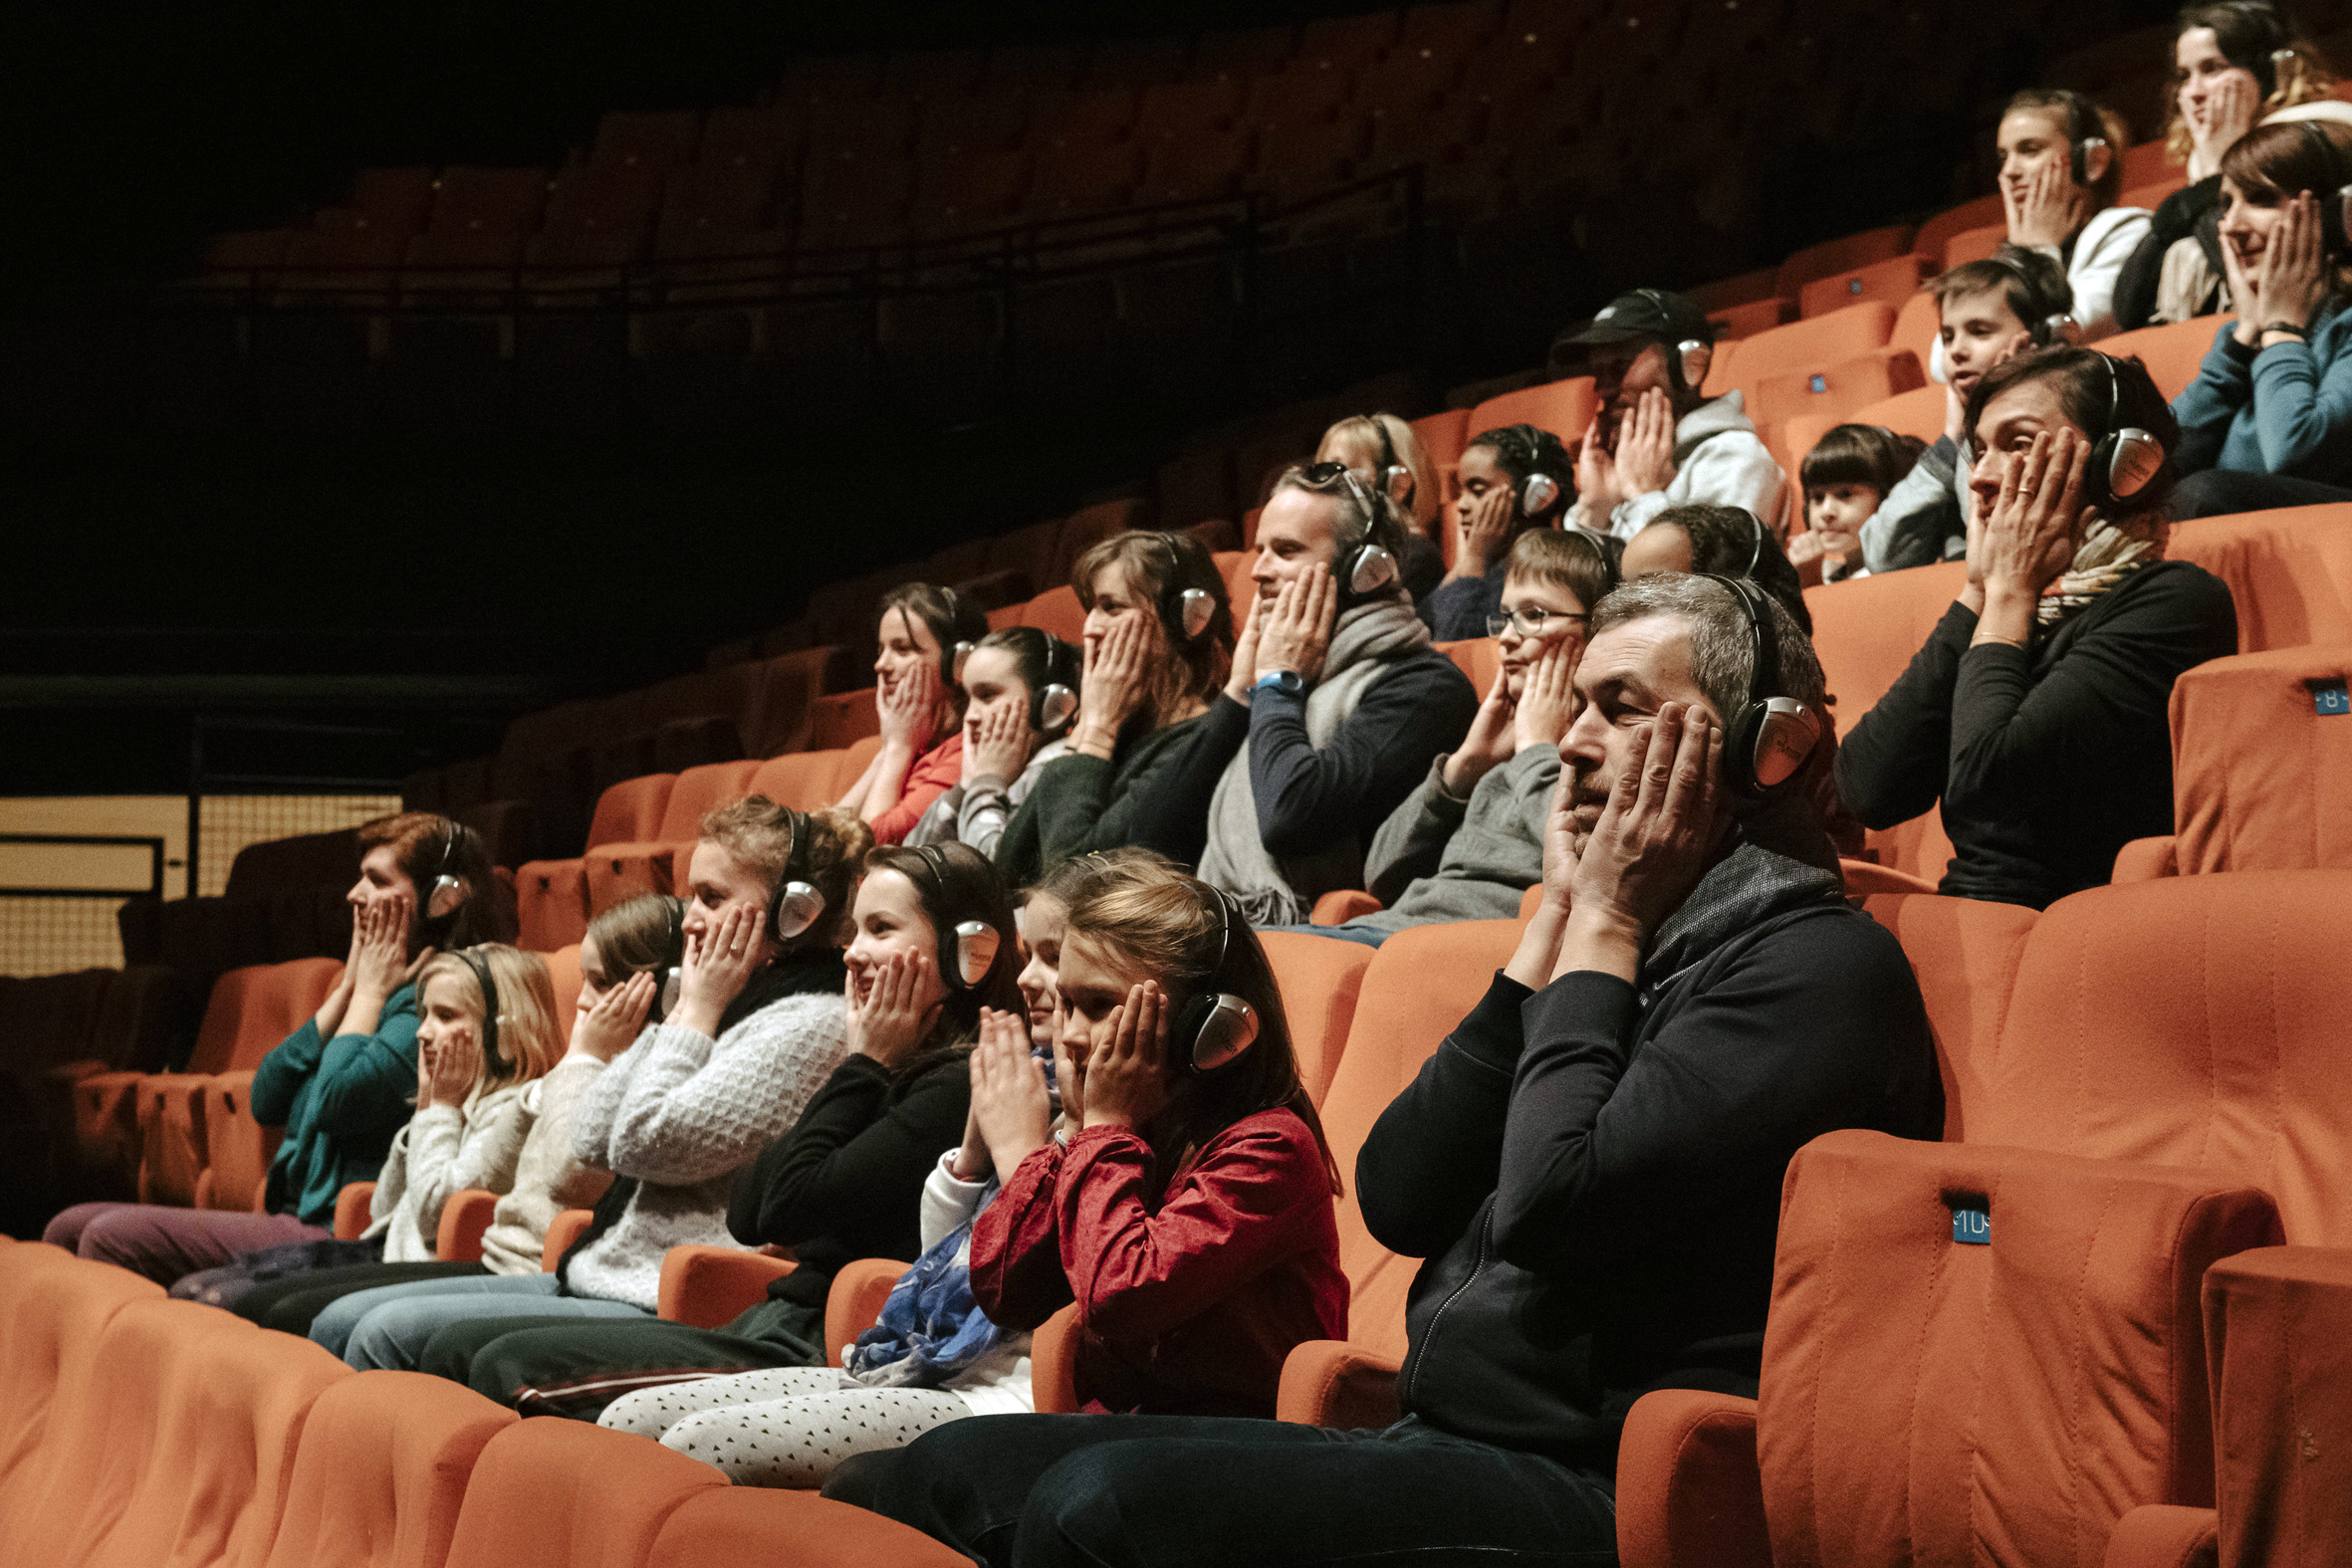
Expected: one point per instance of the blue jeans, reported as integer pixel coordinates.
(1176, 1492)
(386, 1328)
(1368, 935)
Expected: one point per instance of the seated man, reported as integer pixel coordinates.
(1336, 705)
(1657, 441)
(1469, 842)
(1591, 1164)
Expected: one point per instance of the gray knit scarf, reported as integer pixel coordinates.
(1781, 860)
(1365, 642)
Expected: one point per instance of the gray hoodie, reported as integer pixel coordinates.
(1438, 858)
(1718, 461)
(1924, 519)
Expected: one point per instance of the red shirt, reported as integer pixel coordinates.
(933, 775)
(1187, 1305)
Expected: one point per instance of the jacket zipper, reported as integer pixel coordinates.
(1478, 1267)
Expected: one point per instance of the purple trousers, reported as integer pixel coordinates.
(164, 1244)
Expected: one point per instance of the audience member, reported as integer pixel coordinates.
(2236, 66)
(924, 630)
(2036, 712)
(1158, 640)
(1657, 440)
(2007, 303)
(2061, 172)
(622, 957)
(1020, 695)
(1718, 542)
(2267, 422)
(1847, 477)
(934, 944)
(1469, 843)
(1336, 705)
(1513, 478)
(757, 1028)
(1386, 454)
(340, 1084)
(1591, 1164)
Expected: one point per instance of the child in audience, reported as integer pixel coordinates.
(1513, 478)
(340, 1086)
(2267, 422)
(2062, 173)
(623, 959)
(1158, 643)
(1723, 542)
(934, 944)
(932, 1356)
(924, 630)
(757, 1029)
(1387, 458)
(2234, 66)
(1847, 477)
(1020, 695)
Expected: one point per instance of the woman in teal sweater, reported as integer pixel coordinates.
(340, 1086)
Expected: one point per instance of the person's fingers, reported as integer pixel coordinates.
(1657, 764)
(1691, 755)
(1154, 1036)
(2070, 495)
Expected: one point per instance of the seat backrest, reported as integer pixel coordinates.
(1420, 983)
(1563, 408)
(1801, 346)
(1867, 630)
(630, 812)
(565, 1494)
(849, 762)
(53, 1309)
(1057, 610)
(1964, 952)
(699, 792)
(382, 1471)
(2262, 763)
(1930, 240)
(803, 780)
(1478, 658)
(2187, 1020)
(747, 1524)
(1443, 435)
(2171, 352)
(563, 973)
(2289, 571)
(1843, 254)
(1929, 1400)
(1319, 978)
(1918, 412)
(1895, 280)
(224, 1018)
(1830, 392)
(277, 1001)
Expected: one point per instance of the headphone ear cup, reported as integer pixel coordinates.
(1372, 569)
(665, 995)
(1057, 706)
(976, 944)
(443, 901)
(1194, 610)
(1215, 1029)
(797, 909)
(1537, 493)
(1784, 735)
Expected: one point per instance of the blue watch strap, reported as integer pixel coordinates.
(1285, 681)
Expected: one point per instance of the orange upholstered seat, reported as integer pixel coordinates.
(1563, 408)
(789, 1529)
(2171, 352)
(2289, 571)
(551, 896)
(382, 1471)
(1822, 341)
(1319, 980)
(618, 873)
(565, 1494)
(1964, 952)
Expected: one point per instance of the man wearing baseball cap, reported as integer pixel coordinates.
(1656, 441)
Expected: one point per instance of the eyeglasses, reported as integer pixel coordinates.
(1528, 620)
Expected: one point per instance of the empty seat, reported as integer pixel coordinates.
(1564, 408)
(803, 780)
(617, 872)
(842, 719)
(398, 199)
(1057, 610)
(767, 135)
(381, 1472)
(568, 1494)
(1442, 436)
(1845, 254)
(2171, 352)
(489, 200)
(1937, 231)
(1302, 157)
(1895, 280)
(1734, 321)
(2290, 572)
(646, 140)
(1829, 393)
(1919, 322)
(1810, 344)
(1918, 412)
(551, 896)
(352, 268)
(1972, 245)
(1477, 658)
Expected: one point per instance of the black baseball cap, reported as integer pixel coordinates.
(1647, 315)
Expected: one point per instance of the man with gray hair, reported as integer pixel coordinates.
(1590, 1164)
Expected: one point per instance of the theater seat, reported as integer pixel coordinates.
(568, 1494)
(1057, 610)
(54, 1311)
(1964, 952)
(618, 873)
(1564, 408)
(1842, 255)
(1478, 658)
(1832, 392)
(381, 1471)
(551, 896)
(1894, 280)
(2279, 1350)
(2171, 352)
(1880, 1436)
(2290, 572)
(2262, 764)
(1443, 435)
(1320, 981)
(803, 780)
(789, 1529)
(1919, 322)
(1745, 320)
(1935, 234)
(707, 1286)
(1866, 631)
(1823, 341)
(1974, 245)
(1918, 412)
(843, 718)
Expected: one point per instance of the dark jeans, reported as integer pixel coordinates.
(577, 1366)
(2219, 492)
(288, 1305)
(1204, 1491)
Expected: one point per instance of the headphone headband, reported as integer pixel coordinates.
(2050, 328)
(495, 1063)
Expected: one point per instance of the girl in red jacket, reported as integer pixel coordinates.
(1186, 1205)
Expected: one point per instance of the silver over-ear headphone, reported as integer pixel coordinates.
(1369, 570)
(1186, 612)
(1216, 1026)
(797, 904)
(966, 950)
(2051, 330)
(448, 891)
(2126, 460)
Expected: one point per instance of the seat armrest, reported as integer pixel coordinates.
(709, 1287)
(562, 1232)
(350, 1209)
(2161, 1535)
(1864, 877)
(1331, 1383)
(1053, 1364)
(2146, 859)
(856, 1300)
(1689, 1491)
(463, 1219)
(2278, 1357)
(1338, 908)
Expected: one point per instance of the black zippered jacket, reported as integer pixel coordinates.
(1595, 1183)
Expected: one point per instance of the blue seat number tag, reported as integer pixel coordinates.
(1972, 1226)
(2329, 699)
(1820, 384)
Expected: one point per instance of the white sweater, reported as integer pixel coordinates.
(681, 1114)
(548, 1177)
(443, 1150)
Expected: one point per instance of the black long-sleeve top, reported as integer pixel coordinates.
(2047, 760)
(2192, 210)
(1596, 1184)
(1458, 609)
(1309, 798)
(1080, 804)
(847, 1181)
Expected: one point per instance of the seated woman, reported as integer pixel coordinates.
(756, 1029)
(934, 944)
(1020, 695)
(2267, 422)
(2236, 66)
(1513, 478)
(1158, 643)
(920, 706)
(1847, 477)
(2062, 173)
(1721, 541)
(2035, 713)
(1469, 841)
(932, 1356)
(1386, 455)
(340, 1084)
(622, 956)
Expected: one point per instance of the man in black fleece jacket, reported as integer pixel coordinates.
(1591, 1165)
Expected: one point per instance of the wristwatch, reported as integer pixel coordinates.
(2291, 328)
(1287, 682)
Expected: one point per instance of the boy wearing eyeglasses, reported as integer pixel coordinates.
(1469, 843)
